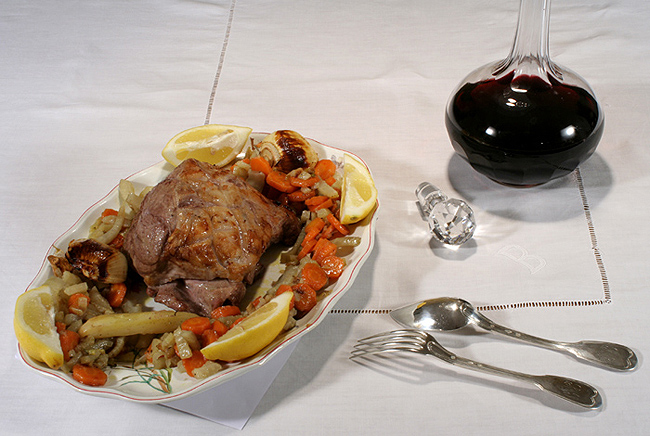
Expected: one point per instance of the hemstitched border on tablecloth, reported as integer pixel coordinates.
(222, 58)
(528, 304)
(523, 305)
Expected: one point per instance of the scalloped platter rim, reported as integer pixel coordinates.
(141, 384)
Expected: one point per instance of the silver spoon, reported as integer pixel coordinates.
(446, 314)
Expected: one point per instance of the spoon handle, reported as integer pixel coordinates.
(607, 354)
(572, 390)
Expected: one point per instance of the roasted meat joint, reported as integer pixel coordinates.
(199, 236)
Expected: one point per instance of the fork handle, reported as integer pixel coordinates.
(572, 390)
(607, 354)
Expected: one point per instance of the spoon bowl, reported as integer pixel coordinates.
(440, 314)
(448, 314)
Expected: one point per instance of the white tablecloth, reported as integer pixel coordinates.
(92, 90)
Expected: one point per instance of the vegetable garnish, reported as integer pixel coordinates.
(104, 311)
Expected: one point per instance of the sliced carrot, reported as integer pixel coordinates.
(208, 337)
(78, 303)
(307, 248)
(312, 230)
(219, 327)
(313, 275)
(300, 196)
(324, 205)
(323, 249)
(196, 361)
(69, 340)
(116, 294)
(318, 202)
(196, 325)
(282, 288)
(279, 181)
(237, 321)
(89, 375)
(319, 245)
(286, 288)
(117, 241)
(257, 301)
(330, 180)
(333, 266)
(317, 223)
(305, 297)
(303, 183)
(325, 168)
(148, 354)
(315, 201)
(328, 232)
(222, 311)
(260, 164)
(60, 326)
(342, 229)
(109, 212)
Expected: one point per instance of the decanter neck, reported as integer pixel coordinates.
(529, 53)
(531, 39)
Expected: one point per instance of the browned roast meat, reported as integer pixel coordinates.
(199, 235)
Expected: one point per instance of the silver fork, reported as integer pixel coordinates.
(417, 341)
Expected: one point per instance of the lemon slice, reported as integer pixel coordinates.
(359, 193)
(34, 326)
(217, 144)
(254, 333)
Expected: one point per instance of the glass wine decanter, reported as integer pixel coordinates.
(525, 120)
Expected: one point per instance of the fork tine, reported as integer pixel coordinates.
(387, 345)
(390, 342)
(396, 340)
(394, 334)
(358, 351)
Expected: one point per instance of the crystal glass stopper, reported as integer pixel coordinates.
(450, 220)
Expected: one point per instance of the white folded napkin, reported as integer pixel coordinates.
(232, 403)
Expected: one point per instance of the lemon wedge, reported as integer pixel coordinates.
(252, 334)
(34, 326)
(217, 144)
(359, 193)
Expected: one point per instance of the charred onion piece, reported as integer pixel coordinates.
(95, 260)
(287, 150)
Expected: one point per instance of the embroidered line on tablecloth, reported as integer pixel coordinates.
(592, 235)
(523, 305)
(542, 304)
(361, 311)
(222, 57)
(528, 304)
